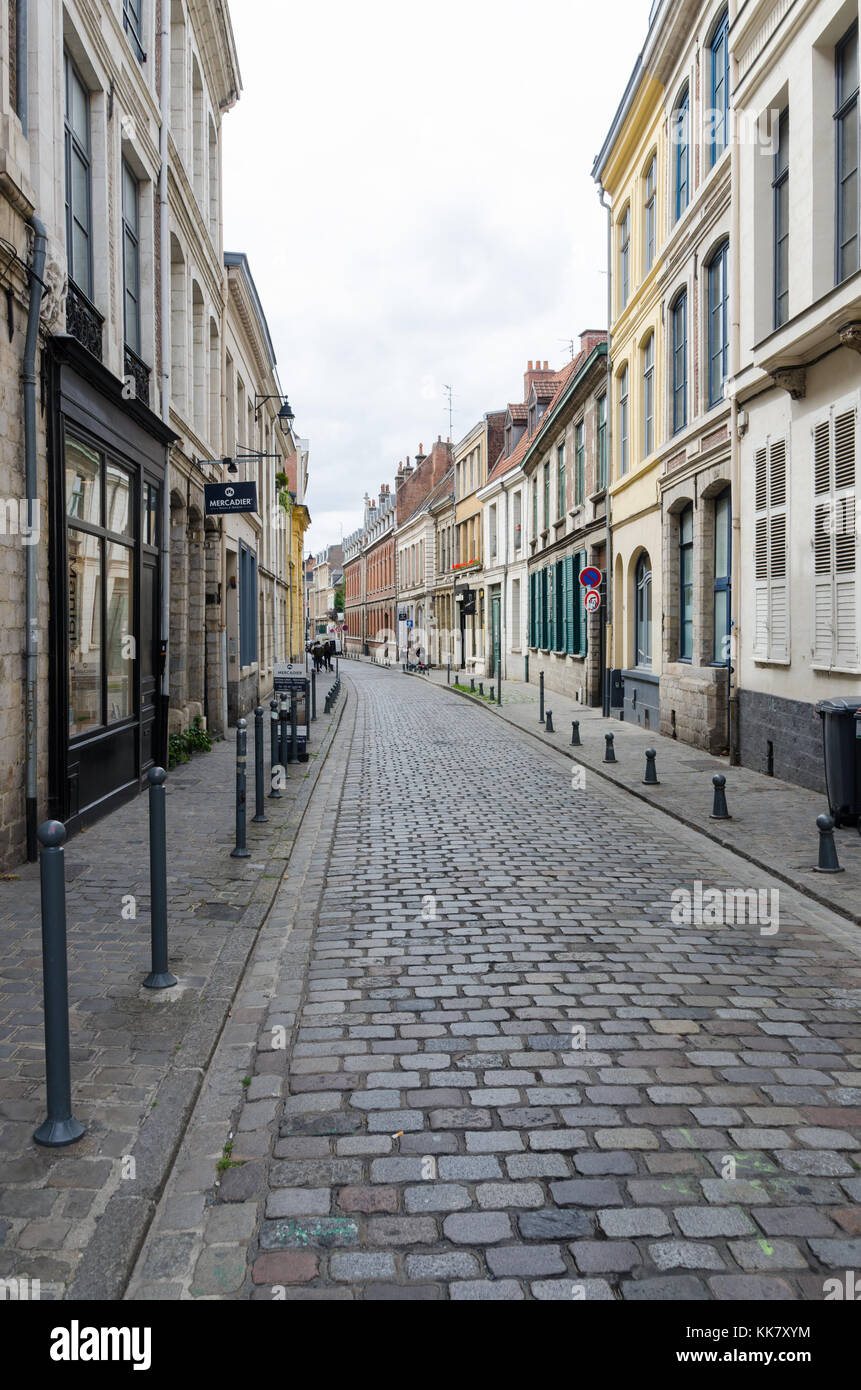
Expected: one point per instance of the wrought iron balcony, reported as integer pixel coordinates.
(83, 320)
(139, 373)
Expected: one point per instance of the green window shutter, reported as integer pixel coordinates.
(582, 640)
(566, 630)
(545, 609)
(532, 610)
(551, 606)
(570, 606)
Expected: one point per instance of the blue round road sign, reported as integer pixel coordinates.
(590, 577)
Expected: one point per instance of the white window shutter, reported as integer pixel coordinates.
(760, 626)
(823, 581)
(778, 559)
(845, 541)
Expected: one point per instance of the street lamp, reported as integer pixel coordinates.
(285, 413)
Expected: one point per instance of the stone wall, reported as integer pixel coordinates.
(794, 731)
(694, 707)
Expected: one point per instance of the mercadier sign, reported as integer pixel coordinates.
(223, 498)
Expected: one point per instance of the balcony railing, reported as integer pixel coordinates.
(139, 373)
(83, 320)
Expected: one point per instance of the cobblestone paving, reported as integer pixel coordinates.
(508, 1073)
(136, 1058)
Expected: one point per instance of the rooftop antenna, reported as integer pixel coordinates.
(449, 391)
(569, 343)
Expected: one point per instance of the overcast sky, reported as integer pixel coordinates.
(412, 186)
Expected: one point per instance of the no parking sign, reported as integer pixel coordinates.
(591, 578)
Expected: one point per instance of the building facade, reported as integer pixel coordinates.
(796, 399)
(473, 458)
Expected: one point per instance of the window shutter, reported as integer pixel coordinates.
(565, 644)
(551, 605)
(760, 635)
(835, 544)
(771, 560)
(571, 644)
(582, 628)
(532, 610)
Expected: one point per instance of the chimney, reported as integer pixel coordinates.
(399, 478)
(590, 338)
(420, 456)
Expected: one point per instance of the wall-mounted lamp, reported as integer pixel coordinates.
(285, 413)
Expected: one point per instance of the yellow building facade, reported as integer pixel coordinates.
(631, 173)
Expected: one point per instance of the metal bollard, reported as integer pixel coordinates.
(472, 684)
(448, 672)
(499, 684)
(294, 737)
(828, 861)
(60, 1127)
(650, 778)
(541, 697)
(575, 733)
(481, 688)
(240, 852)
(313, 695)
(284, 738)
(159, 976)
(260, 816)
(548, 723)
(526, 669)
(609, 748)
(274, 752)
(719, 808)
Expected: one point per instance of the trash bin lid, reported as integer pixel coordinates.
(838, 705)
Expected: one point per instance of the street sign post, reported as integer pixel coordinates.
(221, 499)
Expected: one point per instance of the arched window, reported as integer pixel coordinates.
(623, 420)
(625, 257)
(722, 575)
(679, 330)
(717, 325)
(686, 584)
(719, 88)
(643, 609)
(681, 139)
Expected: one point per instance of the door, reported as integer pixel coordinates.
(149, 663)
(495, 636)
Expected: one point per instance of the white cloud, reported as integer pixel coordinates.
(412, 187)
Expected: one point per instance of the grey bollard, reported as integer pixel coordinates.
(472, 684)
(650, 778)
(575, 733)
(719, 808)
(609, 748)
(294, 738)
(283, 730)
(275, 752)
(481, 687)
(828, 861)
(313, 695)
(60, 1126)
(260, 816)
(541, 697)
(240, 852)
(159, 976)
(526, 669)
(548, 723)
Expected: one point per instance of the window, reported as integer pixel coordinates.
(247, 606)
(79, 213)
(518, 527)
(133, 25)
(719, 74)
(575, 613)
(650, 210)
(602, 442)
(492, 530)
(101, 568)
(643, 610)
(717, 327)
(515, 613)
(625, 257)
(535, 508)
(847, 136)
(623, 420)
(546, 496)
(771, 582)
(131, 261)
(835, 543)
(780, 188)
(686, 584)
(680, 133)
(723, 577)
(649, 395)
(560, 482)
(580, 464)
(680, 362)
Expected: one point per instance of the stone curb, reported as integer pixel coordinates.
(110, 1256)
(808, 891)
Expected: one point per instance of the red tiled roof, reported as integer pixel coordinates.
(518, 412)
(560, 381)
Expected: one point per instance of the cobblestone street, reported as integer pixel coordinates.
(477, 1054)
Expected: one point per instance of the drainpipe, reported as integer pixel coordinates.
(164, 235)
(735, 465)
(31, 687)
(23, 102)
(606, 656)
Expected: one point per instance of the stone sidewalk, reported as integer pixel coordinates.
(773, 822)
(74, 1218)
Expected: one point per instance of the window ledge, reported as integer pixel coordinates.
(781, 661)
(831, 670)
